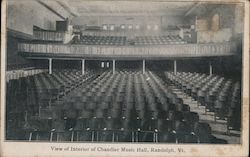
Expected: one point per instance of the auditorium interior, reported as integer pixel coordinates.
(125, 71)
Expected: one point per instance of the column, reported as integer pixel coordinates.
(210, 69)
(50, 65)
(83, 66)
(175, 67)
(143, 66)
(113, 66)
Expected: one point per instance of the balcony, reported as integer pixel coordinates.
(127, 52)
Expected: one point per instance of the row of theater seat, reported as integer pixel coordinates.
(119, 135)
(29, 94)
(125, 107)
(51, 87)
(218, 94)
(122, 40)
(158, 40)
(102, 40)
(32, 93)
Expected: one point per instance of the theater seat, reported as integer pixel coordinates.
(84, 135)
(127, 106)
(124, 136)
(166, 137)
(203, 131)
(145, 136)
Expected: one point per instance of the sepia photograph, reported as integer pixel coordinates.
(110, 73)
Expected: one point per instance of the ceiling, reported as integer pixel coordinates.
(129, 7)
(76, 8)
(107, 8)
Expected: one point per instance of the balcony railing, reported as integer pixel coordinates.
(16, 74)
(173, 50)
(49, 36)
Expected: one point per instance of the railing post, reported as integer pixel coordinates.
(210, 69)
(113, 66)
(50, 65)
(83, 66)
(175, 67)
(143, 66)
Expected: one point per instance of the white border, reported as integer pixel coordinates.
(44, 149)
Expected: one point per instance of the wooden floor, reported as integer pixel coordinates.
(219, 127)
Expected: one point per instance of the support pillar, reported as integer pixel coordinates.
(50, 65)
(210, 69)
(113, 66)
(175, 67)
(143, 66)
(83, 66)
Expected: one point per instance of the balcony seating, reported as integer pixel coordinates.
(158, 40)
(217, 94)
(101, 40)
(122, 40)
